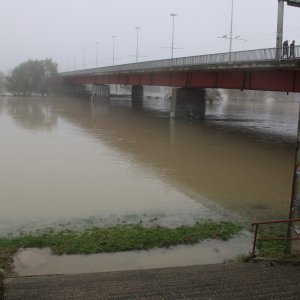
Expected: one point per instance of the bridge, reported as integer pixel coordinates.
(261, 69)
(251, 70)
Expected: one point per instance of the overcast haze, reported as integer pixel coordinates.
(60, 29)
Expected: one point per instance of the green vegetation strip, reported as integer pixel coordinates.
(112, 239)
(120, 238)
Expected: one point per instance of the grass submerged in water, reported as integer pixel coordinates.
(120, 238)
(112, 239)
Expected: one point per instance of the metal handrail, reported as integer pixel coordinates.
(269, 54)
(270, 238)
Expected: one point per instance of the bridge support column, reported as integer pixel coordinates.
(188, 103)
(100, 91)
(137, 92)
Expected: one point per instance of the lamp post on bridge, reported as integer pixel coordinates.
(97, 44)
(136, 55)
(172, 41)
(172, 44)
(231, 37)
(137, 43)
(83, 57)
(113, 54)
(231, 23)
(74, 59)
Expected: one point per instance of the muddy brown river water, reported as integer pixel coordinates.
(69, 163)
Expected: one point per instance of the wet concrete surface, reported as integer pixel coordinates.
(219, 281)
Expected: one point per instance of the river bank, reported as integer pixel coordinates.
(114, 239)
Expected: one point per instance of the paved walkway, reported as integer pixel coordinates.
(223, 281)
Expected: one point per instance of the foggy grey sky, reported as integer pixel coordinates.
(60, 29)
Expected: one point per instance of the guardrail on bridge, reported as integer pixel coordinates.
(270, 54)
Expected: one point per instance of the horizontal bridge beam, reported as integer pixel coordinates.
(268, 80)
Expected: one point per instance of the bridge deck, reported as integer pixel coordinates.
(246, 60)
(249, 70)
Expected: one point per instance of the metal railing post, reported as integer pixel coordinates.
(290, 221)
(254, 240)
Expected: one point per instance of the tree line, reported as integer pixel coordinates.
(34, 77)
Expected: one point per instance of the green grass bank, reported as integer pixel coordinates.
(114, 239)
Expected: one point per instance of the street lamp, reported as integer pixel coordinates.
(172, 46)
(114, 36)
(230, 34)
(96, 54)
(83, 57)
(74, 60)
(137, 44)
(172, 43)
(231, 37)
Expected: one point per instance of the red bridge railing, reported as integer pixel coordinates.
(256, 224)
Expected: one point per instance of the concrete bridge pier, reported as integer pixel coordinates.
(137, 92)
(188, 103)
(100, 91)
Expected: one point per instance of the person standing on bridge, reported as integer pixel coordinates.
(285, 49)
(292, 50)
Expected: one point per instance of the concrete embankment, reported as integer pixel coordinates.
(222, 281)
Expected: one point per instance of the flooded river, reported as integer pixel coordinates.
(69, 162)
